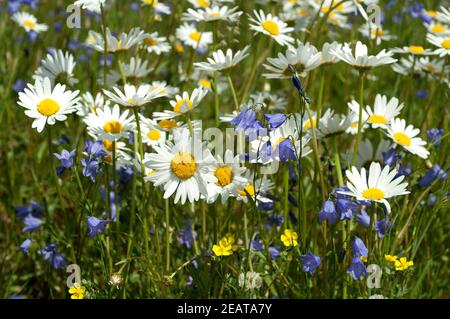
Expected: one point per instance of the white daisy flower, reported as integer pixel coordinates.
(109, 123)
(260, 188)
(406, 137)
(443, 15)
(56, 65)
(89, 104)
(413, 50)
(136, 69)
(159, 7)
(378, 186)
(271, 26)
(359, 8)
(156, 44)
(353, 128)
(331, 124)
(271, 101)
(367, 154)
(212, 14)
(383, 111)
(182, 104)
(406, 65)
(116, 44)
(326, 56)
(151, 133)
(122, 152)
(200, 3)
(221, 61)
(374, 32)
(47, 105)
(163, 88)
(29, 22)
(443, 44)
(304, 58)
(133, 96)
(435, 67)
(360, 58)
(438, 29)
(189, 34)
(91, 5)
(228, 172)
(183, 169)
(337, 16)
(287, 131)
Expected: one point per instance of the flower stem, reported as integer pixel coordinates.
(216, 98)
(337, 162)
(361, 102)
(167, 235)
(316, 152)
(233, 92)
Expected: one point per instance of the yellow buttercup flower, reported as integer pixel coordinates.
(403, 264)
(226, 246)
(77, 291)
(289, 238)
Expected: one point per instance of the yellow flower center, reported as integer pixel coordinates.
(250, 189)
(167, 124)
(416, 49)
(325, 9)
(215, 14)
(151, 172)
(377, 32)
(271, 27)
(224, 175)
(195, 36)
(446, 44)
(373, 194)
(431, 13)
(113, 127)
(307, 125)
(179, 48)
(150, 42)
(402, 139)
(281, 139)
(183, 165)
(376, 119)
(203, 3)
(180, 103)
(48, 107)
(205, 83)
(438, 28)
(29, 23)
(159, 89)
(153, 135)
(108, 145)
(354, 125)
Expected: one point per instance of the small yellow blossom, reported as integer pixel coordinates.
(390, 258)
(363, 259)
(403, 264)
(289, 238)
(226, 246)
(77, 291)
